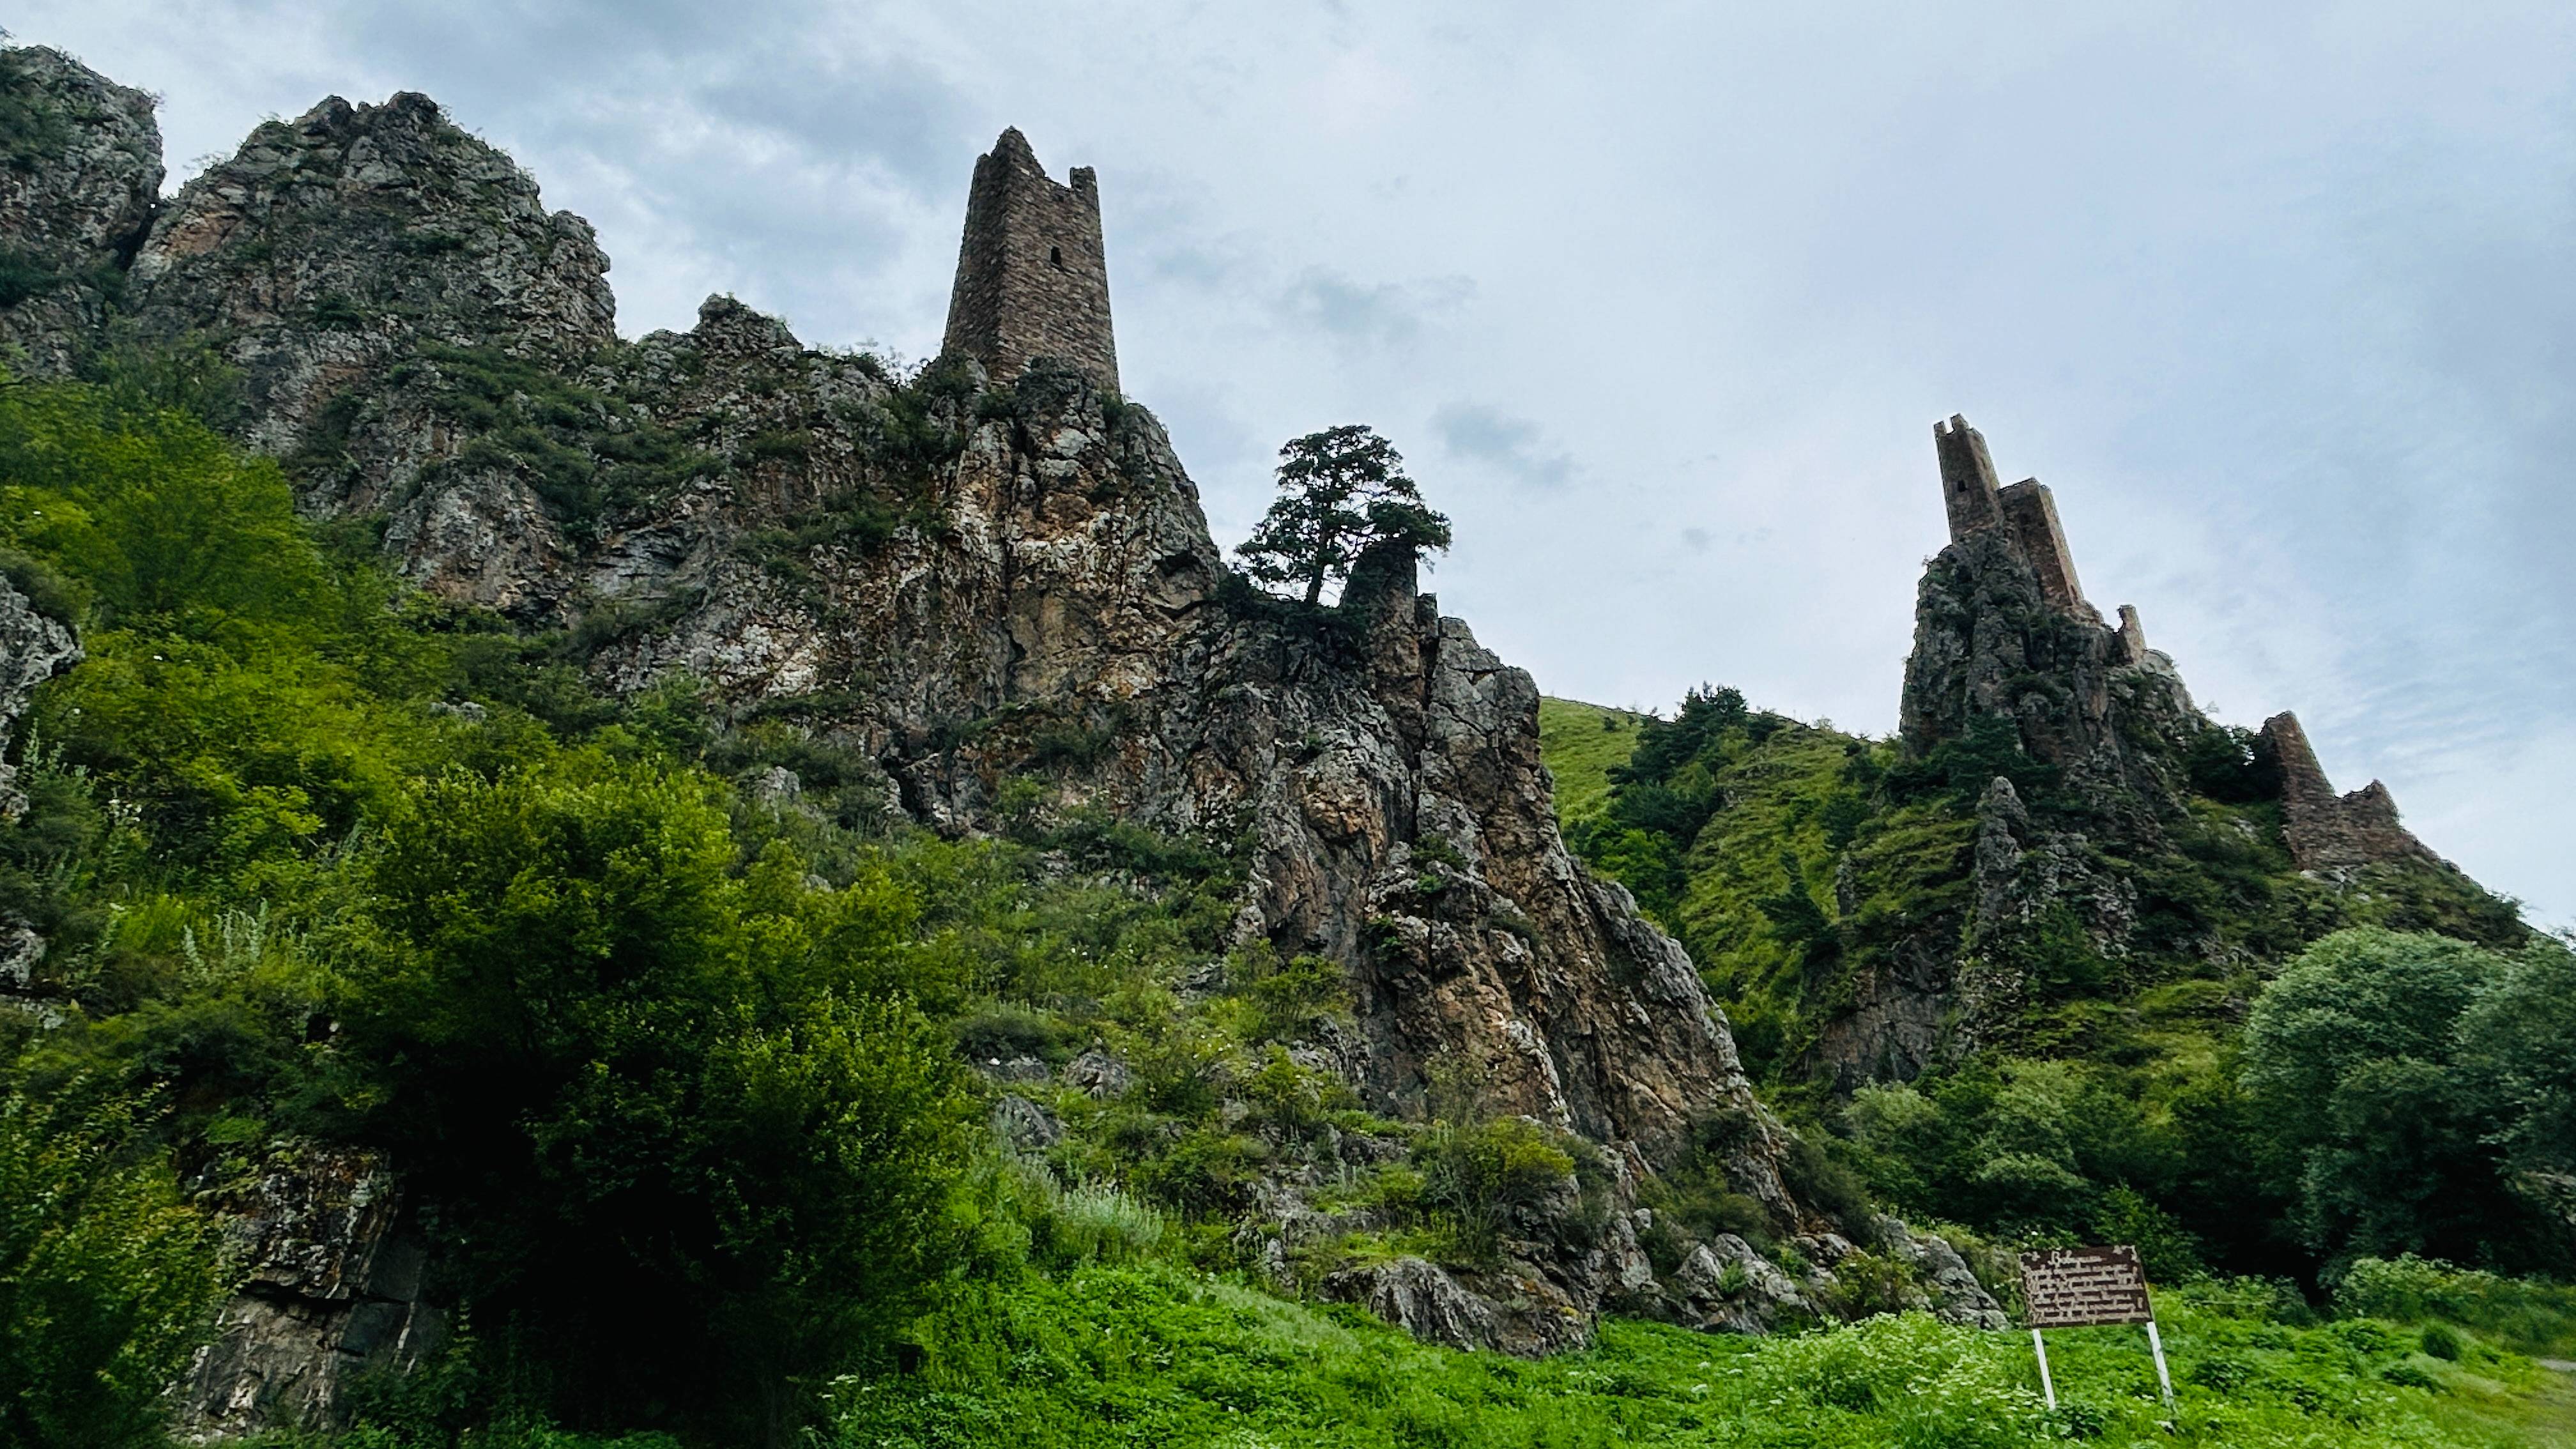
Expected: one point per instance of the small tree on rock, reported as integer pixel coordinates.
(1340, 491)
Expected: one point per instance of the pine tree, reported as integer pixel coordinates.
(1340, 491)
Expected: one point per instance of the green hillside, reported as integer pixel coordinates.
(2168, 1095)
(1582, 744)
(322, 860)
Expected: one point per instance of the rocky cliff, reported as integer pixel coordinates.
(2118, 833)
(995, 589)
(80, 173)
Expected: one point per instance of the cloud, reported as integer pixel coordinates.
(2283, 321)
(1378, 313)
(1508, 444)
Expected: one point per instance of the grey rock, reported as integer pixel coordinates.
(1510, 1310)
(332, 1286)
(776, 786)
(1951, 1286)
(33, 649)
(1024, 1070)
(1024, 1127)
(1733, 1289)
(1098, 1074)
(20, 949)
(75, 206)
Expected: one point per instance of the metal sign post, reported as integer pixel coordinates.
(2164, 1381)
(2072, 1287)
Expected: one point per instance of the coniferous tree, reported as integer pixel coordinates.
(1340, 491)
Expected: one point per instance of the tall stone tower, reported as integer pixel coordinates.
(1032, 279)
(2024, 510)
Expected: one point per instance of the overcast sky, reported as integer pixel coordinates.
(1661, 300)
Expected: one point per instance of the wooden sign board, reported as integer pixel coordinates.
(2071, 1287)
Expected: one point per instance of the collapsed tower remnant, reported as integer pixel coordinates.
(2325, 829)
(2024, 510)
(1032, 277)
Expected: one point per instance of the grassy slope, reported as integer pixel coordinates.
(1581, 742)
(1154, 1356)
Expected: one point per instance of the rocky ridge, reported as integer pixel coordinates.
(80, 174)
(2097, 757)
(976, 584)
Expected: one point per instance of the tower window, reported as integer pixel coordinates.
(1055, 256)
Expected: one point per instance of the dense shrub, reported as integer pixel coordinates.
(107, 1277)
(2398, 1074)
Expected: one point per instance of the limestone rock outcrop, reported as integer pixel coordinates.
(34, 647)
(972, 581)
(330, 244)
(331, 1286)
(80, 172)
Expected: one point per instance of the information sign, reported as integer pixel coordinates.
(2072, 1287)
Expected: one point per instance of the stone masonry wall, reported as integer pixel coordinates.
(2327, 830)
(1967, 478)
(2025, 512)
(1032, 275)
(2031, 514)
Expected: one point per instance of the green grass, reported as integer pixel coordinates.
(1581, 742)
(1152, 1355)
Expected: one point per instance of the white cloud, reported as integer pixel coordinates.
(2275, 298)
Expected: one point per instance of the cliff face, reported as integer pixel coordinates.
(2093, 829)
(976, 583)
(80, 171)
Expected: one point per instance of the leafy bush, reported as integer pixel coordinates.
(1476, 1173)
(2379, 1061)
(2531, 1315)
(643, 1084)
(107, 1278)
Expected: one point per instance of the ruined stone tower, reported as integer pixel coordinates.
(2325, 829)
(2024, 510)
(1032, 280)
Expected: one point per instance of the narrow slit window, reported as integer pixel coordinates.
(1055, 256)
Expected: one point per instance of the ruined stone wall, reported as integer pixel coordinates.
(2024, 512)
(2031, 514)
(1032, 275)
(2326, 830)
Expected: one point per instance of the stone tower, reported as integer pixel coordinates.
(2325, 829)
(1967, 478)
(2024, 510)
(1032, 280)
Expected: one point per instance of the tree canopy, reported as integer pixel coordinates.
(1340, 491)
